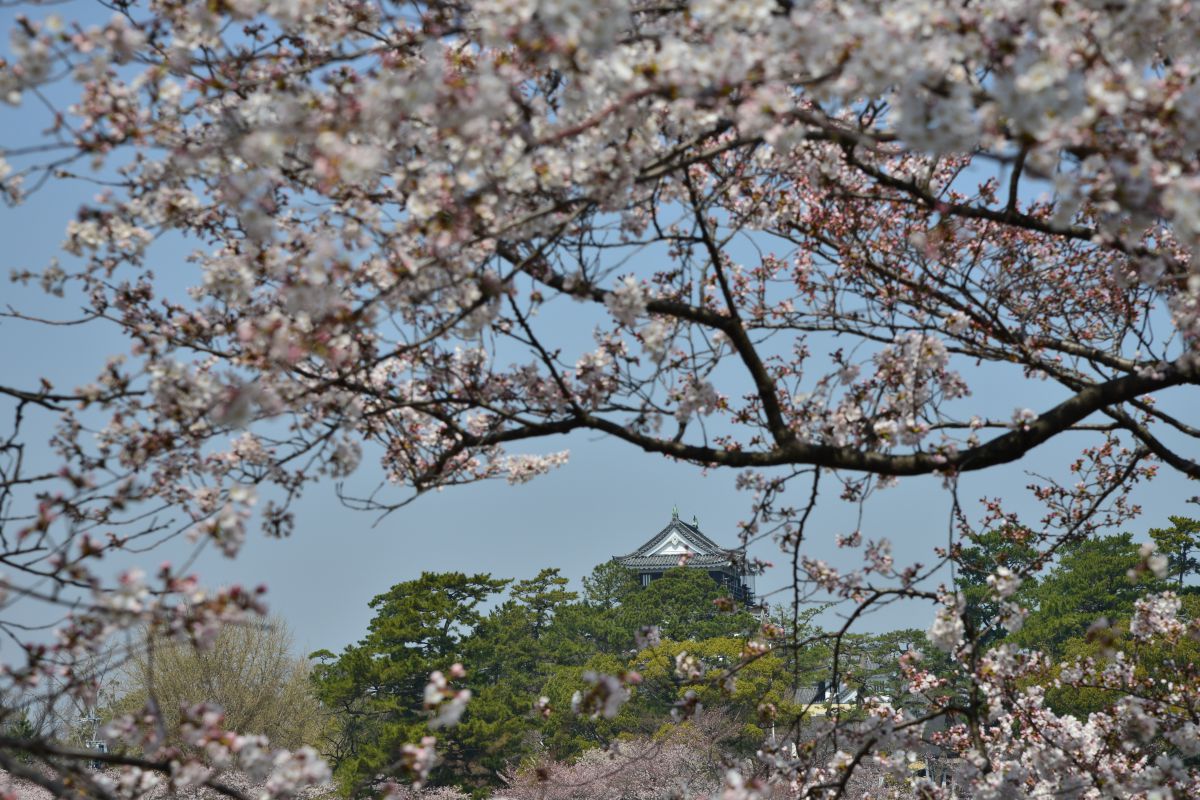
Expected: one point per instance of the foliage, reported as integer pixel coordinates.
(538, 641)
(1177, 543)
(682, 604)
(757, 682)
(250, 671)
(566, 735)
(375, 687)
(1152, 662)
(508, 656)
(1007, 548)
(609, 585)
(20, 726)
(1093, 579)
(599, 623)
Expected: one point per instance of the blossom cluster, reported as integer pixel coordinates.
(788, 239)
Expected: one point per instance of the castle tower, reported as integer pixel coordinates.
(681, 544)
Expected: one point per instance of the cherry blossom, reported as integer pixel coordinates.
(798, 241)
(446, 704)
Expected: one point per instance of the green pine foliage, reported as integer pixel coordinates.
(1180, 543)
(518, 641)
(1093, 579)
(535, 638)
(375, 688)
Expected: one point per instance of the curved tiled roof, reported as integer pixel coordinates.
(668, 561)
(804, 695)
(704, 552)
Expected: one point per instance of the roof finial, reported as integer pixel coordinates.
(695, 522)
(674, 512)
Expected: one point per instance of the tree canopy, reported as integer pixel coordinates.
(1092, 580)
(250, 672)
(539, 640)
(1178, 543)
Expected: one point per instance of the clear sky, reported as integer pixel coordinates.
(608, 500)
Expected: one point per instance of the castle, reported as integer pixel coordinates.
(681, 544)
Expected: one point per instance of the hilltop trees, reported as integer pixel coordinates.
(375, 687)
(799, 242)
(1006, 551)
(609, 585)
(750, 701)
(1178, 543)
(250, 671)
(1120, 643)
(538, 640)
(682, 605)
(1095, 580)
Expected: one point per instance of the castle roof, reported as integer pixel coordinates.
(664, 550)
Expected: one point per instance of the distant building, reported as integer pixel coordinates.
(681, 544)
(857, 679)
(822, 697)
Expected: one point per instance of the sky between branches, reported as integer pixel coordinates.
(606, 501)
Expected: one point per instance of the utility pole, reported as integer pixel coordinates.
(95, 743)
